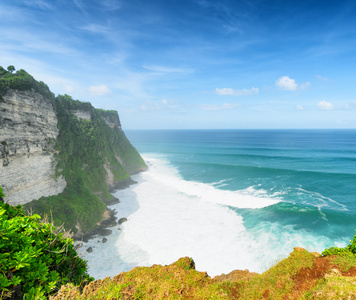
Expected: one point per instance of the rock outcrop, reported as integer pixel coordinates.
(60, 156)
(28, 126)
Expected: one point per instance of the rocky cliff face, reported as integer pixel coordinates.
(28, 129)
(60, 156)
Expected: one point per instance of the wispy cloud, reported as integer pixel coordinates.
(232, 92)
(286, 83)
(99, 90)
(216, 107)
(164, 104)
(322, 78)
(299, 107)
(163, 69)
(41, 4)
(304, 85)
(324, 105)
(26, 41)
(80, 5)
(96, 28)
(110, 5)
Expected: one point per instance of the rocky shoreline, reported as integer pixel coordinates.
(109, 218)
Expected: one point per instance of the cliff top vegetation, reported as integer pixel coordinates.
(303, 275)
(22, 81)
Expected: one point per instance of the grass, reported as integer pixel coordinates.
(334, 288)
(302, 275)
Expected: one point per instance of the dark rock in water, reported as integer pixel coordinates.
(122, 220)
(101, 229)
(104, 232)
(104, 240)
(90, 250)
(112, 201)
(78, 246)
(123, 184)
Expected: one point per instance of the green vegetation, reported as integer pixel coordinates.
(11, 68)
(76, 207)
(302, 275)
(86, 150)
(21, 81)
(349, 250)
(176, 281)
(278, 280)
(35, 257)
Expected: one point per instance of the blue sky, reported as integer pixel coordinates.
(181, 64)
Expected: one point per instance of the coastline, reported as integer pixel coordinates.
(109, 217)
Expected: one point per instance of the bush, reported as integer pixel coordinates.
(349, 249)
(35, 257)
(22, 81)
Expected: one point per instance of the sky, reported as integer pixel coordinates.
(192, 64)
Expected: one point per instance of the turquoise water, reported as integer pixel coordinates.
(312, 172)
(233, 199)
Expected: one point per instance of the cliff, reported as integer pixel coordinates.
(60, 156)
(302, 275)
(28, 126)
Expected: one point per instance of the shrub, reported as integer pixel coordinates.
(35, 257)
(349, 249)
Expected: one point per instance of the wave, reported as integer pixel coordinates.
(165, 174)
(169, 217)
(271, 170)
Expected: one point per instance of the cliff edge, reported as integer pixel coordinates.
(60, 156)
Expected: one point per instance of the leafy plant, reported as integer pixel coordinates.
(35, 257)
(349, 249)
(22, 81)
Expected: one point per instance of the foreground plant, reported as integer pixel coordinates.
(35, 257)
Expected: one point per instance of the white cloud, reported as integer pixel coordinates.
(324, 105)
(286, 83)
(299, 107)
(99, 90)
(232, 92)
(214, 107)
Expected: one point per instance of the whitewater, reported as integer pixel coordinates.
(227, 207)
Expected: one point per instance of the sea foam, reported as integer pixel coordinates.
(169, 217)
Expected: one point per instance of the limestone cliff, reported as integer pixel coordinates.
(28, 126)
(60, 156)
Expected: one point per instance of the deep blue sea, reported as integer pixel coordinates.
(233, 199)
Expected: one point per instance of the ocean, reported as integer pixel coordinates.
(231, 199)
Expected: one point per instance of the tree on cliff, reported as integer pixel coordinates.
(11, 68)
